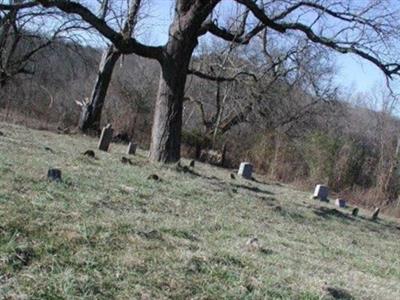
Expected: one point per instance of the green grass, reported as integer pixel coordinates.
(108, 232)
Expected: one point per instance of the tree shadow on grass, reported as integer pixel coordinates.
(266, 183)
(252, 189)
(372, 225)
(338, 293)
(330, 213)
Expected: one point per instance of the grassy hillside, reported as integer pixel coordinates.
(109, 232)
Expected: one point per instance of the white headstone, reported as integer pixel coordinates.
(321, 192)
(131, 149)
(376, 214)
(105, 138)
(245, 170)
(340, 202)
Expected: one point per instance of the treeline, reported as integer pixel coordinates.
(284, 115)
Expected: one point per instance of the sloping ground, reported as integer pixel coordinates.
(109, 232)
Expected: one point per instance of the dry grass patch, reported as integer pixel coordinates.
(107, 231)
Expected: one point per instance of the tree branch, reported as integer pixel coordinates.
(18, 5)
(220, 78)
(388, 69)
(124, 45)
(239, 38)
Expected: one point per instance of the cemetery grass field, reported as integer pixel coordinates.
(109, 232)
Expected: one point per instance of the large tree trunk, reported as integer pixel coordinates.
(167, 123)
(91, 113)
(183, 35)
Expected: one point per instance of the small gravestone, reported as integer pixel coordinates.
(131, 150)
(49, 149)
(253, 244)
(125, 160)
(154, 177)
(375, 214)
(321, 192)
(54, 175)
(355, 212)
(245, 170)
(340, 202)
(89, 153)
(105, 138)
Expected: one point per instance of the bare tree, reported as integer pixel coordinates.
(91, 111)
(368, 30)
(19, 41)
(268, 87)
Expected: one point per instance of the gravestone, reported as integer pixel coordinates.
(340, 202)
(125, 160)
(245, 170)
(105, 138)
(321, 192)
(131, 149)
(54, 175)
(355, 212)
(89, 153)
(375, 214)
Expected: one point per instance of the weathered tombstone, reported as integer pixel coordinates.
(340, 202)
(131, 149)
(245, 170)
(375, 214)
(125, 160)
(54, 175)
(321, 192)
(89, 153)
(253, 244)
(154, 177)
(355, 212)
(105, 138)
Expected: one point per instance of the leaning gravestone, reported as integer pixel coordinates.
(245, 170)
(340, 202)
(321, 192)
(192, 163)
(131, 150)
(355, 212)
(105, 138)
(375, 214)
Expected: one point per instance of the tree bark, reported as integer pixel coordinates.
(183, 38)
(91, 114)
(167, 123)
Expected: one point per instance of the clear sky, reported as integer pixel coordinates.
(354, 74)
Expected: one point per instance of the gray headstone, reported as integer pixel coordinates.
(340, 202)
(131, 149)
(245, 170)
(321, 192)
(376, 214)
(105, 138)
